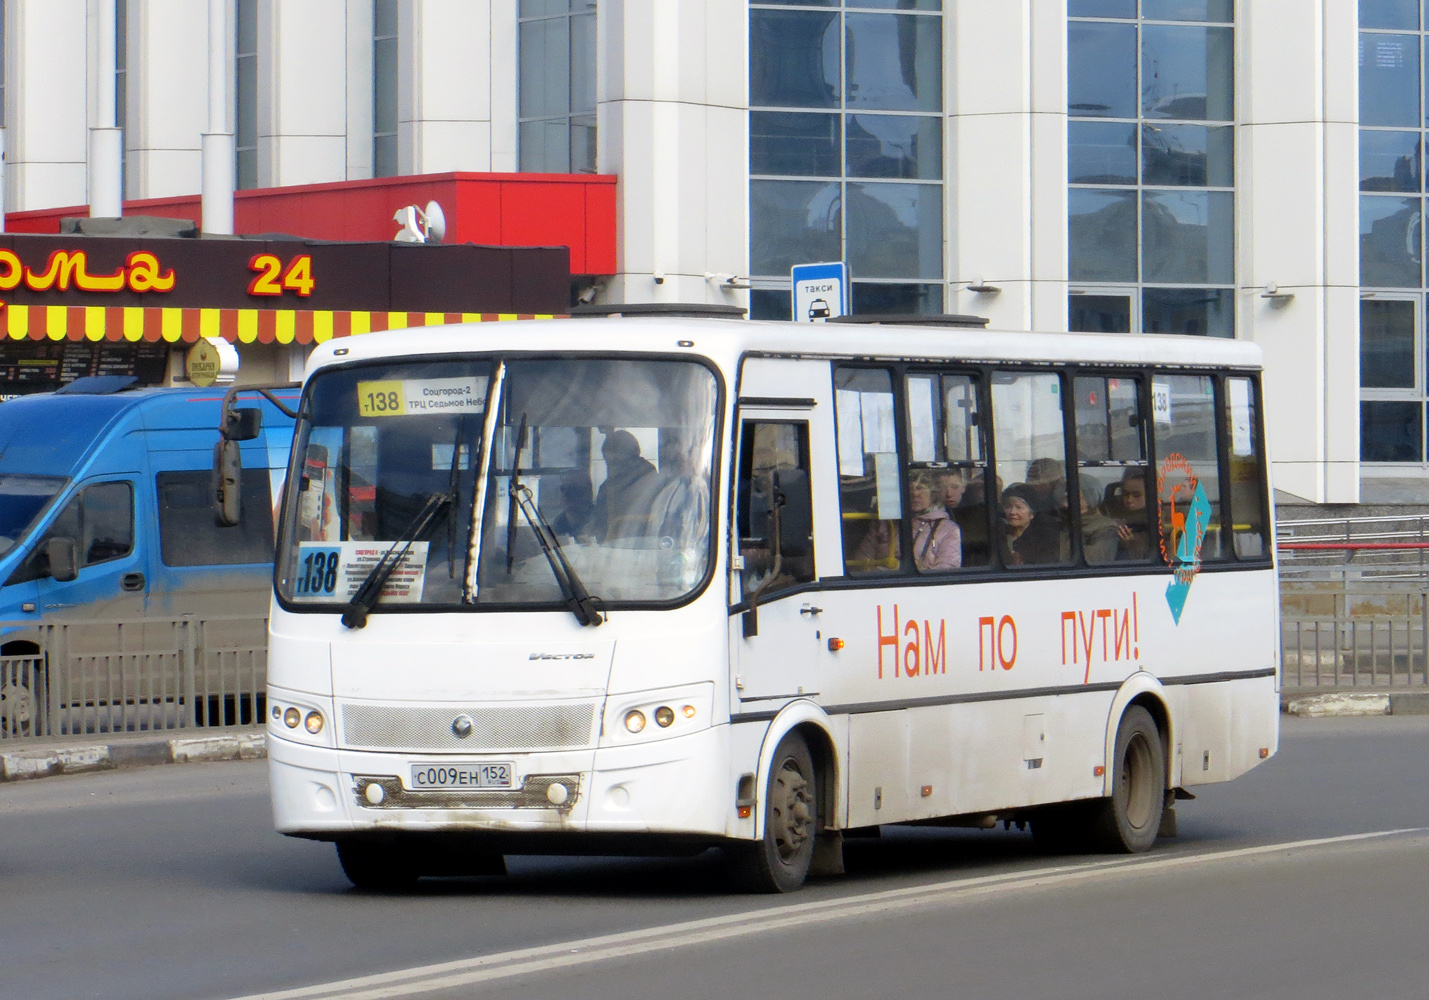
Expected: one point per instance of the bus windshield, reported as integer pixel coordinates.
(22, 499)
(612, 461)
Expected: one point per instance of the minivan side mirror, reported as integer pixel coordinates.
(227, 475)
(64, 559)
(242, 424)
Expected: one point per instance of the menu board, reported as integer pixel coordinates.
(44, 367)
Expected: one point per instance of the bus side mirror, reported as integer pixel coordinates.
(64, 559)
(227, 475)
(242, 424)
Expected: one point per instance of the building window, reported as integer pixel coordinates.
(556, 51)
(846, 150)
(1150, 163)
(245, 91)
(1394, 384)
(384, 88)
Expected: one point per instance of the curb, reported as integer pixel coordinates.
(26, 765)
(1346, 704)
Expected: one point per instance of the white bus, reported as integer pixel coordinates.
(651, 584)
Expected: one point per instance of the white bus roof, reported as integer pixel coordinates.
(726, 340)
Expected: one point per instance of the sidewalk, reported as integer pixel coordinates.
(105, 752)
(1318, 703)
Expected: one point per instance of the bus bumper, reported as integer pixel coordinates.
(670, 786)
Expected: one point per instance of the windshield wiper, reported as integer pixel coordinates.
(578, 599)
(355, 614)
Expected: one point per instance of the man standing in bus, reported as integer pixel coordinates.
(623, 503)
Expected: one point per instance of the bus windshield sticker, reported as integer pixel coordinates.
(1161, 402)
(407, 397)
(885, 474)
(333, 571)
(1242, 444)
(850, 432)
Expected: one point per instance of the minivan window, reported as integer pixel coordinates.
(101, 522)
(22, 500)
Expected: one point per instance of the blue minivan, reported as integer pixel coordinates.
(124, 603)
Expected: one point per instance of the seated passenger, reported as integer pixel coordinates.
(1048, 485)
(1128, 509)
(623, 503)
(937, 540)
(964, 503)
(1028, 538)
(1099, 532)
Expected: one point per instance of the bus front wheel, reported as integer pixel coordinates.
(779, 861)
(1128, 821)
(376, 866)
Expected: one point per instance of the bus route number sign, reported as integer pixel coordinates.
(319, 572)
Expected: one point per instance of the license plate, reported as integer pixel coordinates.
(434, 777)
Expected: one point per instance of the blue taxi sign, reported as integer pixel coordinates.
(821, 291)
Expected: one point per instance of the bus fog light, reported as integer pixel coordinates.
(374, 793)
(313, 723)
(277, 712)
(292, 717)
(664, 716)
(688, 711)
(634, 720)
(557, 793)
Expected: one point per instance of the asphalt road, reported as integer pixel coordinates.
(168, 883)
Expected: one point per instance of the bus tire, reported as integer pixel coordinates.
(1061, 829)
(375, 866)
(779, 861)
(1128, 821)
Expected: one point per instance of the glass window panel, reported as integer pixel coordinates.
(1247, 480)
(1391, 431)
(583, 144)
(1195, 312)
(1101, 70)
(1185, 430)
(1188, 236)
(1187, 72)
(870, 490)
(895, 62)
(925, 419)
(1391, 238)
(384, 85)
(247, 16)
(769, 303)
(1101, 8)
(1387, 344)
(246, 173)
(1099, 313)
(962, 488)
(246, 107)
(1390, 161)
(895, 146)
(791, 143)
(108, 523)
(1101, 230)
(793, 58)
(545, 68)
(962, 438)
(896, 4)
(1108, 421)
(1389, 79)
(384, 156)
(912, 299)
(793, 222)
(384, 17)
(582, 60)
(1114, 521)
(1030, 446)
(1389, 14)
(545, 146)
(1101, 153)
(1187, 10)
(802, 3)
(774, 469)
(1190, 155)
(537, 8)
(895, 230)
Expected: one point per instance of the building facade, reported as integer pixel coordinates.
(1211, 167)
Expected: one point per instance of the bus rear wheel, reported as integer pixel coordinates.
(779, 861)
(1128, 821)
(376, 866)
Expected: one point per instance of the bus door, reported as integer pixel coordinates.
(778, 636)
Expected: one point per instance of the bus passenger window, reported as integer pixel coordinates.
(1111, 470)
(1030, 446)
(774, 474)
(1187, 469)
(945, 445)
(870, 492)
(1247, 479)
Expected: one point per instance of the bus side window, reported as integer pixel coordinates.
(870, 491)
(1247, 478)
(945, 442)
(774, 471)
(1112, 470)
(1188, 481)
(1030, 445)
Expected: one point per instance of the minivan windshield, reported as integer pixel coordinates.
(22, 500)
(614, 466)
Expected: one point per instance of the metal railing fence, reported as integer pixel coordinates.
(129, 676)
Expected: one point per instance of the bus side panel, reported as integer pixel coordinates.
(1224, 728)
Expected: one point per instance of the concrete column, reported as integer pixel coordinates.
(168, 94)
(673, 121)
(302, 96)
(48, 113)
(106, 141)
(218, 139)
(1006, 168)
(1298, 227)
(445, 86)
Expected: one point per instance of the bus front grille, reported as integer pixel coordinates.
(515, 727)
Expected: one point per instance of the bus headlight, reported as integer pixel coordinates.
(313, 723)
(292, 717)
(664, 716)
(634, 720)
(673, 712)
